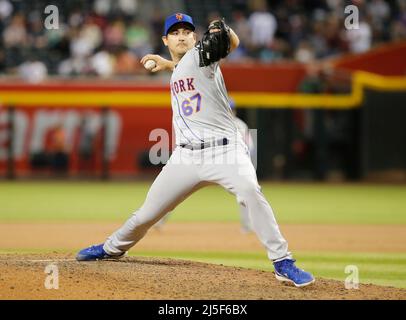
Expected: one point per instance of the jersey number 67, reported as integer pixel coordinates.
(187, 107)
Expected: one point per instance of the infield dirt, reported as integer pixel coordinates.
(22, 276)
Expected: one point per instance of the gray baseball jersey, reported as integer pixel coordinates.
(200, 104)
(201, 112)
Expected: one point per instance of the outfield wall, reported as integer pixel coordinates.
(121, 130)
(306, 129)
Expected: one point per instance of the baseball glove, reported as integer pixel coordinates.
(215, 45)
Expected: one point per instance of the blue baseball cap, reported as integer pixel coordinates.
(178, 18)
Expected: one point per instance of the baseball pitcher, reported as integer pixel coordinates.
(209, 148)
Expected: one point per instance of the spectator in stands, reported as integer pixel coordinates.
(297, 34)
(114, 34)
(127, 8)
(316, 38)
(102, 64)
(137, 38)
(15, 34)
(398, 28)
(6, 10)
(33, 70)
(336, 7)
(379, 12)
(80, 46)
(157, 25)
(285, 30)
(305, 52)
(311, 141)
(126, 63)
(75, 19)
(360, 39)
(242, 27)
(336, 42)
(73, 67)
(398, 31)
(36, 37)
(102, 7)
(91, 33)
(263, 27)
(402, 12)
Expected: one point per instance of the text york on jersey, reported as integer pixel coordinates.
(183, 85)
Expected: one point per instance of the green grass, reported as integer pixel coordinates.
(115, 201)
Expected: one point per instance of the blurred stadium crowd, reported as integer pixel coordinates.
(108, 37)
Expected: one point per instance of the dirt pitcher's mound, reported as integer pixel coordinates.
(27, 276)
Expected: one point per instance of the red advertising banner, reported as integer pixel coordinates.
(78, 133)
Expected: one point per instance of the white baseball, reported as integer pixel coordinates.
(149, 64)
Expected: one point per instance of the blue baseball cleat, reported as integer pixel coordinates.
(94, 253)
(285, 270)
